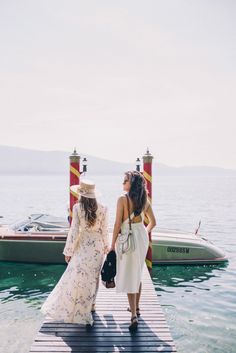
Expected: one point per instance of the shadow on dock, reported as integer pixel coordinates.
(109, 334)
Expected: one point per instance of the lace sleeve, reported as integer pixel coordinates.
(72, 234)
(105, 233)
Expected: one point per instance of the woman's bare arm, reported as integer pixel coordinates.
(152, 220)
(118, 221)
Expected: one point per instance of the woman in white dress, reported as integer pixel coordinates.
(130, 265)
(73, 298)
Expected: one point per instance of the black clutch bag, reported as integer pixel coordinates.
(108, 271)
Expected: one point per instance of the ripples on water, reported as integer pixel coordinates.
(199, 301)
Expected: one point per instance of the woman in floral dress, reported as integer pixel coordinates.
(73, 297)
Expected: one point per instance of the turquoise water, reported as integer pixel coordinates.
(199, 301)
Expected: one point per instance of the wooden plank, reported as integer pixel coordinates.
(155, 330)
(45, 337)
(57, 325)
(115, 349)
(110, 331)
(109, 346)
(101, 343)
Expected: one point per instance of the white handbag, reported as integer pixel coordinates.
(126, 241)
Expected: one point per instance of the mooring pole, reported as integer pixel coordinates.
(74, 178)
(147, 173)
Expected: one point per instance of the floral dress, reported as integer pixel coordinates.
(72, 298)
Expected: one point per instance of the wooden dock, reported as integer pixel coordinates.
(110, 331)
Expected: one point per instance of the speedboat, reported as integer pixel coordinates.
(177, 247)
(40, 238)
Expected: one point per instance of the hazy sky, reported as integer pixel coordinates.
(113, 77)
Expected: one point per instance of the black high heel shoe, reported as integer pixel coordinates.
(134, 324)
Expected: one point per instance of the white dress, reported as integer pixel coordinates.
(72, 298)
(130, 265)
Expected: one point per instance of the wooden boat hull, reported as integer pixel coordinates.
(32, 251)
(175, 247)
(168, 247)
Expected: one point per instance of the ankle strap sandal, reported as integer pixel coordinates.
(134, 324)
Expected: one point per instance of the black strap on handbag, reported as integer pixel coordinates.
(130, 228)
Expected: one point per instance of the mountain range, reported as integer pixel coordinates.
(16, 160)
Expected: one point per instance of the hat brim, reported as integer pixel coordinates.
(75, 189)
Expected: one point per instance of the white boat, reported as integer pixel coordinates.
(40, 238)
(178, 247)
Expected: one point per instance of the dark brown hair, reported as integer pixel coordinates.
(138, 191)
(90, 207)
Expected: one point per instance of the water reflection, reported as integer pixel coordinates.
(33, 282)
(184, 275)
(30, 281)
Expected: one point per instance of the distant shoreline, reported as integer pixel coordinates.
(21, 161)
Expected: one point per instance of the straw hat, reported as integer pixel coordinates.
(86, 188)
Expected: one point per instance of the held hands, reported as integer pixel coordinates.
(67, 259)
(112, 248)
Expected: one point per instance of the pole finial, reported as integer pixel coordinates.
(74, 156)
(74, 152)
(148, 156)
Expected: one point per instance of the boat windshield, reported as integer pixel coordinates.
(40, 222)
(19, 224)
